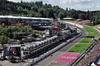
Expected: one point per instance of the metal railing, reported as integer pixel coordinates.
(84, 52)
(50, 52)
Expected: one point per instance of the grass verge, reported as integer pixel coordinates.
(90, 31)
(78, 48)
(86, 40)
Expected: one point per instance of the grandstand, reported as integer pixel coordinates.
(92, 57)
(14, 20)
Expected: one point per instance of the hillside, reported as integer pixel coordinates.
(33, 9)
(38, 9)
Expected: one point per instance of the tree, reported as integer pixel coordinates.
(38, 15)
(3, 40)
(29, 30)
(96, 20)
(39, 4)
(15, 35)
(50, 13)
(21, 1)
(61, 15)
(35, 8)
(40, 11)
(20, 8)
(9, 32)
(88, 14)
(67, 9)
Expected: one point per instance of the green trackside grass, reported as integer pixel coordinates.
(90, 31)
(86, 40)
(78, 48)
(84, 43)
(51, 65)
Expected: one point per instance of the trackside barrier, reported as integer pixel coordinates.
(36, 60)
(96, 58)
(92, 44)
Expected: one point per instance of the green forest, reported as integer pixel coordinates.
(38, 9)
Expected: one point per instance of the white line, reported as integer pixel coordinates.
(54, 59)
(61, 55)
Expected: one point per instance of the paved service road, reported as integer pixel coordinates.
(50, 59)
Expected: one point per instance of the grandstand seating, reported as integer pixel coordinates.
(91, 56)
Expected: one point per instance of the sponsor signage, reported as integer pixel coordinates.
(67, 58)
(89, 36)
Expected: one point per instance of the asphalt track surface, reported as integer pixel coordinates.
(50, 59)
